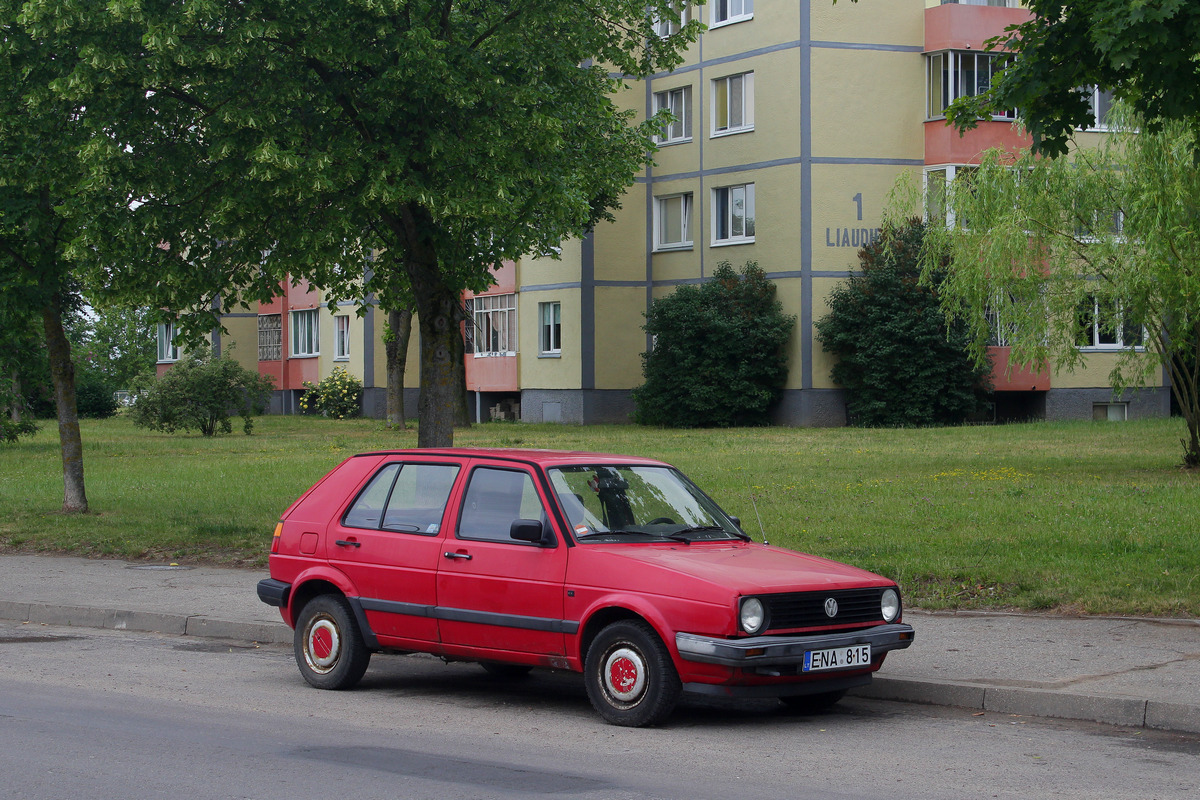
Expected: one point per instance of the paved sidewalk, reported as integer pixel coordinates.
(1121, 671)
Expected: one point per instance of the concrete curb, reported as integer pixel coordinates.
(174, 624)
(1128, 712)
(1110, 710)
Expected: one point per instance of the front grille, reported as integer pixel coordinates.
(807, 609)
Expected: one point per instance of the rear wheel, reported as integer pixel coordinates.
(328, 645)
(629, 675)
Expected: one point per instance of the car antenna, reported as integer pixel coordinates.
(760, 525)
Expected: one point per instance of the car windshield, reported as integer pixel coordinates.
(640, 503)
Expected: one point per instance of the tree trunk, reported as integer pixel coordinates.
(62, 375)
(396, 347)
(16, 410)
(443, 403)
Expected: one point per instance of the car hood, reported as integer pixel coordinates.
(746, 568)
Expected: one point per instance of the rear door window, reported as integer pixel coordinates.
(409, 498)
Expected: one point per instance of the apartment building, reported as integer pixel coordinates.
(794, 119)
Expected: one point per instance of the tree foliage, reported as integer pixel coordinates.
(719, 356)
(201, 392)
(1116, 227)
(425, 139)
(1146, 51)
(900, 361)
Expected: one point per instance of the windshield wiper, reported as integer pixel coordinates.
(704, 528)
(613, 533)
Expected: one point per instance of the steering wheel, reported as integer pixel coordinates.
(661, 521)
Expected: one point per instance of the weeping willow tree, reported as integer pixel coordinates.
(1100, 246)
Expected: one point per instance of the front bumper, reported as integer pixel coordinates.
(769, 651)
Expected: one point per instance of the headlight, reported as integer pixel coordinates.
(889, 604)
(752, 616)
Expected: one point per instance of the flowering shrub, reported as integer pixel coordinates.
(337, 396)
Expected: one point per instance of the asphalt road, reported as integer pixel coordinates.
(110, 714)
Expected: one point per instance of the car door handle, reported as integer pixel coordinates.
(344, 543)
(463, 556)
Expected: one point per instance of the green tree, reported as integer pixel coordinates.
(1146, 51)
(201, 392)
(900, 361)
(1105, 242)
(436, 137)
(116, 342)
(719, 356)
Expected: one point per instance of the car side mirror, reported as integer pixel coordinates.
(736, 522)
(529, 530)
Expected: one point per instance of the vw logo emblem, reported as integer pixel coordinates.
(830, 607)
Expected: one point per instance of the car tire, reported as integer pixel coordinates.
(328, 645)
(505, 672)
(629, 675)
(813, 703)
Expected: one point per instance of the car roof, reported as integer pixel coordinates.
(527, 455)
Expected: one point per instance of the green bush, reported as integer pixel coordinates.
(94, 395)
(719, 354)
(337, 396)
(899, 360)
(202, 393)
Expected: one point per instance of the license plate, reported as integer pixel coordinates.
(858, 655)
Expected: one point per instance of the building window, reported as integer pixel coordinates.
(725, 12)
(1101, 325)
(304, 333)
(733, 104)
(550, 338)
(665, 26)
(1110, 412)
(270, 339)
(962, 73)
(341, 336)
(939, 187)
(1100, 103)
(733, 214)
(679, 103)
(167, 350)
(495, 325)
(673, 222)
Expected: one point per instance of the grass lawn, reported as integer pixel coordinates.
(1080, 517)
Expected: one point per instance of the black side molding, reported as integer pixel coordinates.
(273, 592)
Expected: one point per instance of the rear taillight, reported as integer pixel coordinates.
(275, 538)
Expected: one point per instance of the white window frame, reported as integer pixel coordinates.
(494, 317)
(168, 351)
(729, 107)
(1116, 330)
(664, 207)
(725, 201)
(679, 102)
(1102, 99)
(951, 174)
(727, 12)
(305, 333)
(951, 74)
(550, 328)
(341, 337)
(665, 26)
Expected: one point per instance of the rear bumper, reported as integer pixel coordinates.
(273, 592)
(769, 651)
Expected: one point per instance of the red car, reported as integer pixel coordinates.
(616, 567)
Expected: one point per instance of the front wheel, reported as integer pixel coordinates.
(328, 645)
(629, 675)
